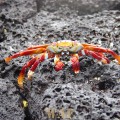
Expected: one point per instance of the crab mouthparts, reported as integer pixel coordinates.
(65, 56)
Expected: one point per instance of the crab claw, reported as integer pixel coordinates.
(59, 65)
(75, 64)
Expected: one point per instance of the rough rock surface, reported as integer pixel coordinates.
(93, 94)
(83, 7)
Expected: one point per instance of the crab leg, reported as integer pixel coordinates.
(41, 58)
(89, 45)
(22, 73)
(96, 55)
(24, 53)
(75, 63)
(38, 46)
(103, 58)
(101, 50)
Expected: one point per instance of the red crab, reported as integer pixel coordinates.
(62, 52)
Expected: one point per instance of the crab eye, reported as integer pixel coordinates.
(67, 52)
(62, 53)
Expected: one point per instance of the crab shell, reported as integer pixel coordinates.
(65, 46)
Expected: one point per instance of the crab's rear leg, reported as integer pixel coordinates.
(41, 58)
(96, 55)
(34, 63)
(101, 50)
(24, 53)
(22, 72)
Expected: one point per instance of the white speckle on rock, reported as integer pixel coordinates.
(111, 45)
(59, 24)
(11, 49)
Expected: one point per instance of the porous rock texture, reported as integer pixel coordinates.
(93, 94)
(83, 7)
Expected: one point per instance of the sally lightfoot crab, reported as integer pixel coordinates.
(63, 52)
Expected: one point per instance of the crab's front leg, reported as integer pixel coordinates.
(24, 53)
(37, 46)
(101, 50)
